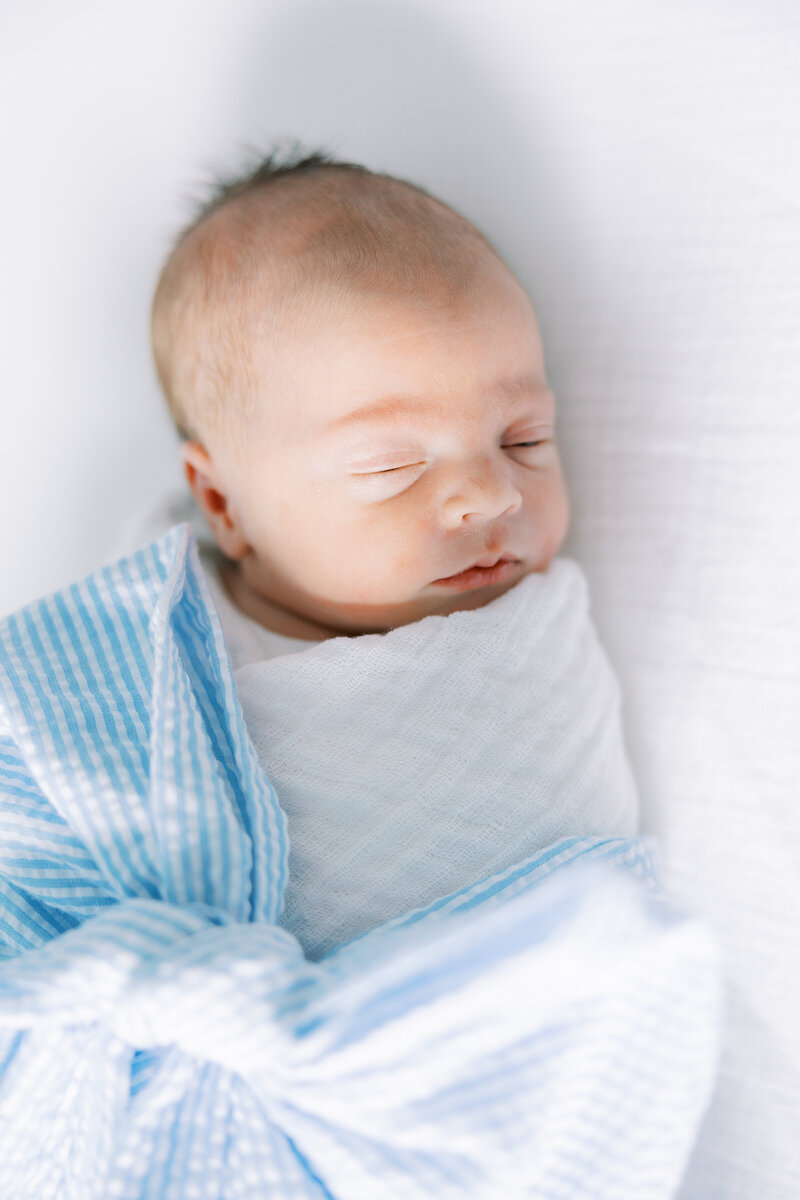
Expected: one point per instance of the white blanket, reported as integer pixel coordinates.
(416, 762)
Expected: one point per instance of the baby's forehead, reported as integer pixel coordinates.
(385, 238)
(268, 265)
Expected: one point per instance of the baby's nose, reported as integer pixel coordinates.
(483, 490)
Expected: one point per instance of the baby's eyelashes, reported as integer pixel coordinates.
(388, 470)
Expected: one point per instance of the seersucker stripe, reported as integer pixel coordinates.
(219, 830)
(132, 639)
(264, 822)
(42, 726)
(105, 723)
(220, 834)
(85, 701)
(22, 925)
(107, 649)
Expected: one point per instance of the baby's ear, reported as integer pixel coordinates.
(213, 500)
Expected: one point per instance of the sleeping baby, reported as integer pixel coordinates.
(318, 872)
(369, 440)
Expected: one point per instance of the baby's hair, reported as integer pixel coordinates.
(265, 168)
(291, 227)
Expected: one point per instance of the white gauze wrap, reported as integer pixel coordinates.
(416, 762)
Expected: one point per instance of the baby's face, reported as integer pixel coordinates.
(397, 450)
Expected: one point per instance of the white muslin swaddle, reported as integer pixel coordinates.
(416, 762)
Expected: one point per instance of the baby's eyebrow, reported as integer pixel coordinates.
(392, 408)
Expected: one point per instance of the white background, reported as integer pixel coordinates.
(638, 164)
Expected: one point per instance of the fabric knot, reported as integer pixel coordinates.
(225, 995)
(157, 974)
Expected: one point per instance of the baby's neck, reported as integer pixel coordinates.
(266, 612)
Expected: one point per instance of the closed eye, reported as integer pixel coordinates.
(388, 470)
(410, 466)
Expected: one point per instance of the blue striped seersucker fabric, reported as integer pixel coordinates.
(550, 1032)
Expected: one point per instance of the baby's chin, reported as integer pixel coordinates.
(311, 616)
(474, 598)
(437, 601)
(433, 599)
(358, 620)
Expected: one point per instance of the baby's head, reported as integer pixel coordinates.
(359, 381)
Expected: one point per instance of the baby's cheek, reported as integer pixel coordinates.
(371, 556)
(365, 573)
(555, 524)
(566, 515)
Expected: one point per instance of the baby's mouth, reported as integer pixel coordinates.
(496, 570)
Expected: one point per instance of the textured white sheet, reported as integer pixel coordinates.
(681, 422)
